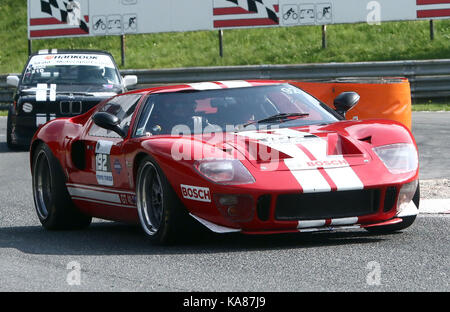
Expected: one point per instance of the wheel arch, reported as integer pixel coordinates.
(137, 160)
(33, 148)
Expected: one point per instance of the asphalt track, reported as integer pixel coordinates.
(117, 257)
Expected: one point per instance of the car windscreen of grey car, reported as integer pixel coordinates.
(71, 69)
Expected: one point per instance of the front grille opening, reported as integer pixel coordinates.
(76, 107)
(327, 205)
(263, 207)
(390, 198)
(70, 107)
(65, 108)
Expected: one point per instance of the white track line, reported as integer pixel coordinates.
(436, 206)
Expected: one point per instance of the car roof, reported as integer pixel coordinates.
(80, 51)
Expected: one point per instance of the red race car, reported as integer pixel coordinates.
(256, 157)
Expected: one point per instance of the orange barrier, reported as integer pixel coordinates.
(386, 98)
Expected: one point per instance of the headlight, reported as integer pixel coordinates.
(398, 158)
(405, 195)
(224, 171)
(27, 107)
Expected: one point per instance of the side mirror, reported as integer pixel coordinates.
(130, 80)
(108, 121)
(12, 81)
(346, 101)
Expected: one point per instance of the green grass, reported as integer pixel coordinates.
(431, 107)
(288, 45)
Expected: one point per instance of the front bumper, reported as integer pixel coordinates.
(325, 214)
(25, 126)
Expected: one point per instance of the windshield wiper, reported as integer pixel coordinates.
(282, 117)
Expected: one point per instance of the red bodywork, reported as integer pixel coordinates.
(68, 138)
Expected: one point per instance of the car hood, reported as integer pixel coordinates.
(106, 90)
(298, 148)
(334, 145)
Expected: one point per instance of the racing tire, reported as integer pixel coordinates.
(406, 221)
(162, 216)
(52, 201)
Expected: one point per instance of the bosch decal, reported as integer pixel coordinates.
(196, 193)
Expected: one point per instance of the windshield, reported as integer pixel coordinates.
(71, 69)
(232, 109)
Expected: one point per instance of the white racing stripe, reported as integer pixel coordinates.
(41, 119)
(305, 224)
(311, 181)
(41, 92)
(97, 195)
(302, 224)
(235, 83)
(205, 86)
(344, 177)
(53, 92)
(344, 221)
(97, 188)
(102, 195)
(102, 202)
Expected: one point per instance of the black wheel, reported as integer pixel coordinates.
(407, 221)
(9, 142)
(162, 216)
(52, 201)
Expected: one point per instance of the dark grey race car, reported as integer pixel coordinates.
(60, 84)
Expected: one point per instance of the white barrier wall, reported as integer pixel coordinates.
(68, 18)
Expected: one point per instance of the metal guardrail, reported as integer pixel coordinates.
(430, 79)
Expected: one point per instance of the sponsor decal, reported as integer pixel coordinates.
(128, 199)
(326, 163)
(103, 171)
(117, 166)
(202, 194)
(39, 62)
